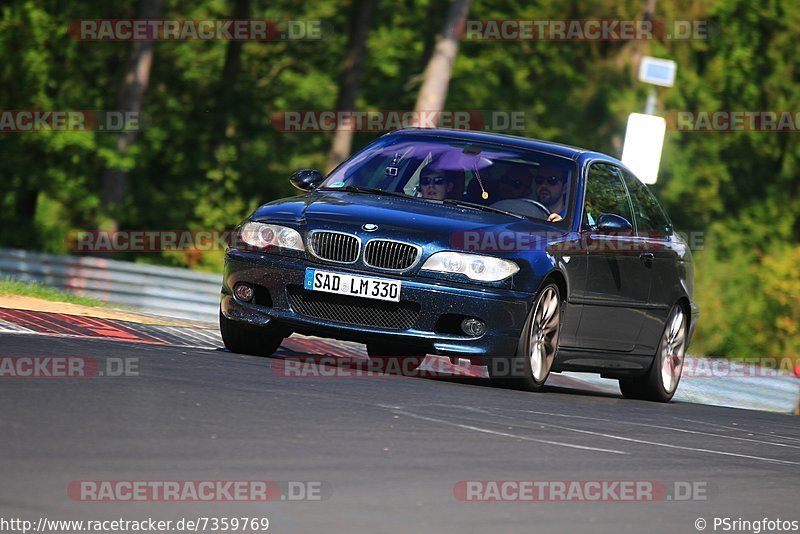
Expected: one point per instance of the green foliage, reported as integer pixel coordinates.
(210, 154)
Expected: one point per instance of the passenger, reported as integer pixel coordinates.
(435, 184)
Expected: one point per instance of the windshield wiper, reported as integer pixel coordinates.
(366, 190)
(481, 207)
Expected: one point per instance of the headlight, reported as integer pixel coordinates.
(260, 235)
(476, 267)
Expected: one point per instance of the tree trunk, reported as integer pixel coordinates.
(433, 93)
(222, 121)
(131, 94)
(233, 53)
(350, 81)
(226, 93)
(648, 14)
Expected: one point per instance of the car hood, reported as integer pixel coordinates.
(432, 225)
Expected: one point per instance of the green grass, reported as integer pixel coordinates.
(44, 292)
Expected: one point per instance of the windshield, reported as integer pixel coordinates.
(528, 183)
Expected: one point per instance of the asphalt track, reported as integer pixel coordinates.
(390, 450)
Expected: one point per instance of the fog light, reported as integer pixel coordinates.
(243, 292)
(473, 327)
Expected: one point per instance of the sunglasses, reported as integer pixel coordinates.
(435, 180)
(551, 180)
(514, 182)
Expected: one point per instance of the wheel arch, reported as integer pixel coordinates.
(557, 277)
(686, 306)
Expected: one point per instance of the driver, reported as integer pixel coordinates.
(518, 181)
(551, 190)
(434, 184)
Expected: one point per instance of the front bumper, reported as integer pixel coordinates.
(504, 311)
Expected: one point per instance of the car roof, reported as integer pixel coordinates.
(565, 151)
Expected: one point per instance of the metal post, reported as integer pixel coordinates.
(652, 99)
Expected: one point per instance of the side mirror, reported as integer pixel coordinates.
(307, 179)
(610, 222)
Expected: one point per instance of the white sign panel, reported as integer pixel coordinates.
(657, 71)
(644, 140)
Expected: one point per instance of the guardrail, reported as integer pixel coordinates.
(187, 294)
(168, 291)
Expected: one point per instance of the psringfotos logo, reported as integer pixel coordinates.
(756, 526)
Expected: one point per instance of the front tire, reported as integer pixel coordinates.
(661, 381)
(247, 339)
(530, 366)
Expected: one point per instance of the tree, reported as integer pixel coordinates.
(433, 93)
(134, 84)
(350, 80)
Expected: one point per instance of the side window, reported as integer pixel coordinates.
(605, 193)
(650, 217)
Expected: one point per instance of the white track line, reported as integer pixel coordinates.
(398, 411)
(674, 429)
(633, 440)
(790, 438)
(666, 445)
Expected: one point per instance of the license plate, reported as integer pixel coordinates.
(353, 285)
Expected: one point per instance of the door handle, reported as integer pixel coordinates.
(647, 257)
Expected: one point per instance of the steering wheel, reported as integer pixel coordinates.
(538, 205)
(523, 206)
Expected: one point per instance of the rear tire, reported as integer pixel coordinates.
(661, 380)
(530, 366)
(247, 339)
(407, 362)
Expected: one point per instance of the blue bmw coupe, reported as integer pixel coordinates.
(525, 256)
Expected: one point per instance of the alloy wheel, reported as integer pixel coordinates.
(544, 333)
(673, 350)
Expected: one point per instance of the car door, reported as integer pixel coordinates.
(617, 287)
(661, 257)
